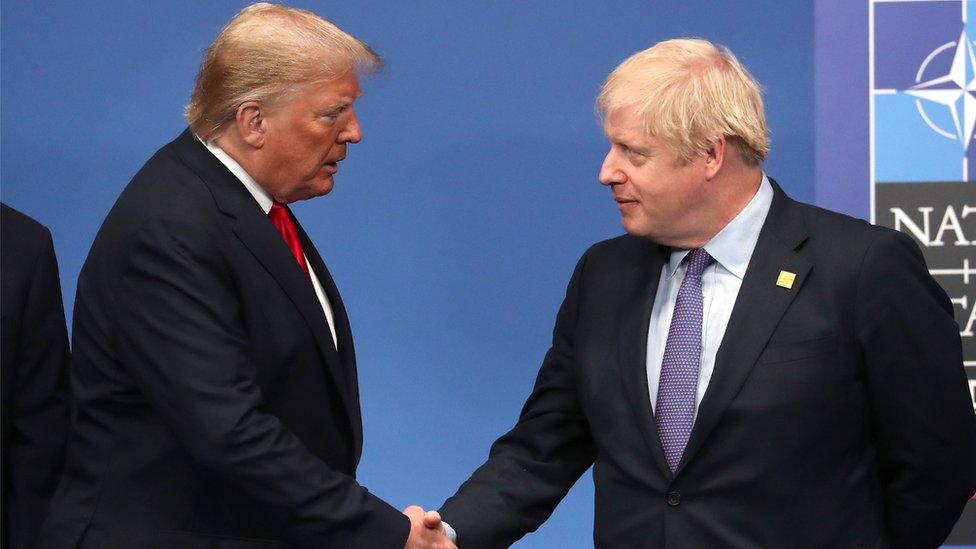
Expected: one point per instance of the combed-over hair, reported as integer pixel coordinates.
(267, 53)
(689, 92)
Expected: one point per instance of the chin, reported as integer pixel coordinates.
(633, 228)
(321, 189)
(641, 231)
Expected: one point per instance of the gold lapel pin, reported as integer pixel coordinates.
(785, 279)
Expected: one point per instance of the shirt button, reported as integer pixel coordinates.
(674, 499)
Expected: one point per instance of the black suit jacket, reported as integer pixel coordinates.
(34, 402)
(837, 414)
(213, 409)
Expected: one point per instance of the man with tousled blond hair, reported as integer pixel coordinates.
(214, 373)
(741, 370)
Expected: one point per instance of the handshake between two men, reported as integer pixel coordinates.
(426, 530)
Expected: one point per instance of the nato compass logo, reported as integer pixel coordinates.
(924, 91)
(952, 91)
(923, 155)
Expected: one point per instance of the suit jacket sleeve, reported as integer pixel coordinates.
(184, 343)
(923, 416)
(39, 407)
(531, 468)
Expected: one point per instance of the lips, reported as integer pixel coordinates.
(333, 166)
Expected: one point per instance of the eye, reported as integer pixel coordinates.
(627, 150)
(632, 154)
(332, 115)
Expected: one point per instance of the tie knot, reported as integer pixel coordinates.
(282, 221)
(277, 210)
(698, 259)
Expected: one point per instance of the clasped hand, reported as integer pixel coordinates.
(426, 530)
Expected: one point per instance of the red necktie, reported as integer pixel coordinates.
(282, 221)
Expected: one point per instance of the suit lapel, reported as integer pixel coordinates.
(640, 286)
(252, 227)
(267, 247)
(758, 309)
(347, 352)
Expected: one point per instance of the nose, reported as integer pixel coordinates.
(609, 173)
(352, 132)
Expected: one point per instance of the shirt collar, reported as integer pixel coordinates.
(260, 195)
(732, 247)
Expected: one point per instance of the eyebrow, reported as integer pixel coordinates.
(344, 101)
(632, 145)
(338, 105)
(355, 96)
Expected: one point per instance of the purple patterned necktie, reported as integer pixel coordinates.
(675, 410)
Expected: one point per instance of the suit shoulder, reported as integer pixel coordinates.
(23, 241)
(853, 250)
(840, 229)
(621, 248)
(22, 227)
(165, 201)
(166, 188)
(26, 250)
(165, 179)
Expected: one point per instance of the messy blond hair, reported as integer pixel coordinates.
(690, 92)
(267, 53)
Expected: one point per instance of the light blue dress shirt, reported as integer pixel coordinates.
(732, 249)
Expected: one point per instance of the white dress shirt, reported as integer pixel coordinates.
(265, 201)
(731, 248)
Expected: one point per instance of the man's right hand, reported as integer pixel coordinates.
(426, 530)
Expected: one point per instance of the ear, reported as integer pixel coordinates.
(715, 157)
(251, 123)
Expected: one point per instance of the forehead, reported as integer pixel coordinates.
(623, 124)
(342, 90)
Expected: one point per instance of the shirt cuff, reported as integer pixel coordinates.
(451, 534)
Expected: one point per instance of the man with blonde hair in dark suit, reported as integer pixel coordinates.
(741, 370)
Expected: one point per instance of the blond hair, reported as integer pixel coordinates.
(690, 92)
(266, 53)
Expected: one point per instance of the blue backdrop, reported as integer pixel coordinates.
(454, 225)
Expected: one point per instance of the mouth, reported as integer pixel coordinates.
(625, 205)
(333, 166)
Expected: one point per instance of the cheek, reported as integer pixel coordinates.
(289, 153)
(692, 191)
(646, 187)
(317, 148)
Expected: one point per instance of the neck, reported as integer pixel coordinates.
(237, 149)
(248, 157)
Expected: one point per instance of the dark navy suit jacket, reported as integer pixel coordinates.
(837, 414)
(34, 403)
(213, 409)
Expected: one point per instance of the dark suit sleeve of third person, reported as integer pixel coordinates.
(35, 356)
(181, 332)
(530, 468)
(924, 420)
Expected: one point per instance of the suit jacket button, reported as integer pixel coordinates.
(674, 499)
